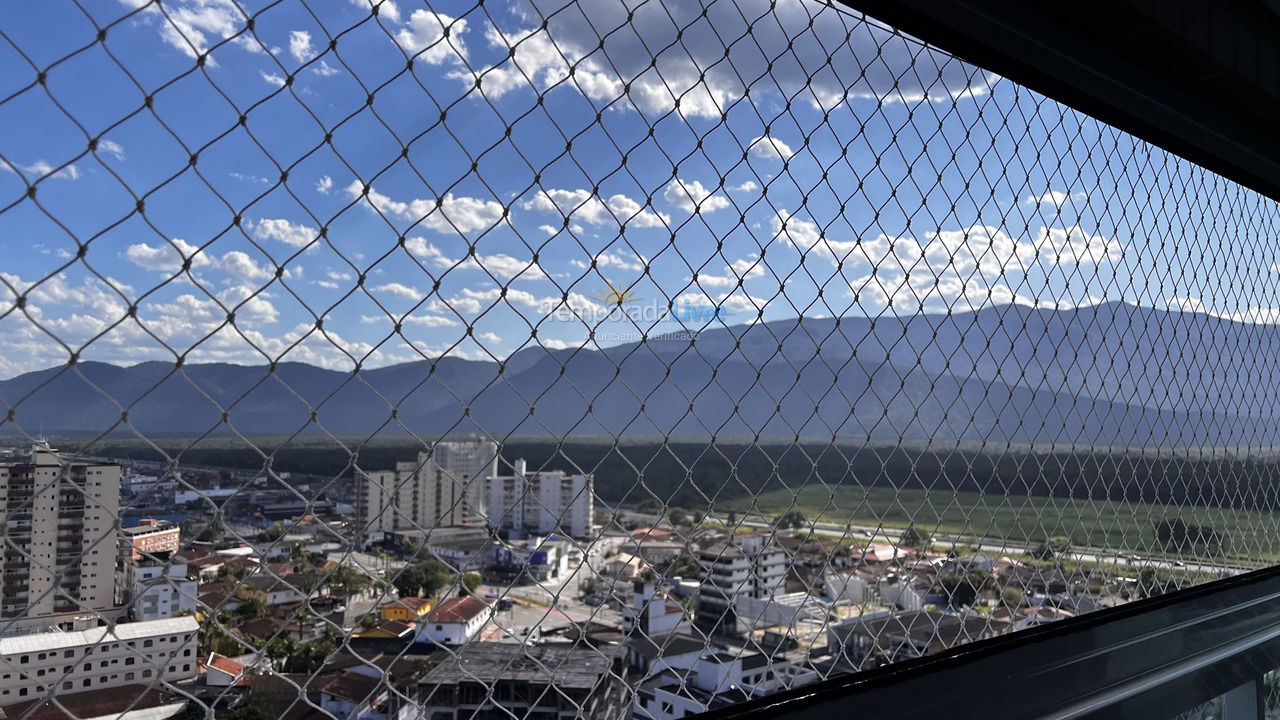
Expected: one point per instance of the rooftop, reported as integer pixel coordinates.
(485, 662)
(41, 642)
(458, 609)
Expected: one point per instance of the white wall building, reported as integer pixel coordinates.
(59, 527)
(71, 662)
(455, 621)
(550, 501)
(159, 590)
(744, 565)
(444, 487)
(651, 614)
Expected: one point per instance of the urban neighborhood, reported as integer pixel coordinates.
(456, 583)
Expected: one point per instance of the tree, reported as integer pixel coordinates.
(962, 588)
(273, 532)
(1011, 597)
(793, 519)
(677, 516)
(253, 606)
(424, 578)
(649, 505)
(913, 538)
(470, 582)
(1052, 548)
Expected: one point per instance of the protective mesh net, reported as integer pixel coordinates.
(587, 357)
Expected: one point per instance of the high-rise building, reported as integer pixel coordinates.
(548, 501)
(60, 543)
(751, 566)
(444, 487)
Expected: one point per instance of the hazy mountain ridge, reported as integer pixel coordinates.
(1109, 374)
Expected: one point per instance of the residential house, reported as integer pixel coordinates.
(455, 621)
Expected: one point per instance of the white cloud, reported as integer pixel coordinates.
(324, 69)
(191, 26)
(741, 270)
(272, 78)
(745, 187)
(399, 290)
(40, 168)
(580, 204)
(690, 196)
(238, 264)
(165, 257)
(387, 9)
(300, 45)
(112, 148)
(258, 179)
(1073, 246)
(632, 213)
(324, 185)
(1056, 198)
(290, 233)
(627, 55)
(500, 265)
(490, 337)
(452, 214)
(431, 321)
(621, 260)
(423, 37)
(767, 146)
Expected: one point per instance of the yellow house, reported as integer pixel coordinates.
(407, 610)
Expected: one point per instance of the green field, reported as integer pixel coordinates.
(1248, 535)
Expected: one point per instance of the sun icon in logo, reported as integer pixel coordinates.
(615, 295)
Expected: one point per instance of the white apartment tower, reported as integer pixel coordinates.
(541, 502)
(59, 519)
(443, 487)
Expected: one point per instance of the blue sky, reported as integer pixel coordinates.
(819, 166)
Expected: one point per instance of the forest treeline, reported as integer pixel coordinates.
(693, 474)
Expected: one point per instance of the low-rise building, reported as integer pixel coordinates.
(157, 587)
(149, 538)
(98, 658)
(405, 609)
(455, 621)
(511, 680)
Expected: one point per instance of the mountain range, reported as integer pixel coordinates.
(1110, 374)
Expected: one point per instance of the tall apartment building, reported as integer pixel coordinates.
(743, 565)
(60, 545)
(442, 488)
(541, 502)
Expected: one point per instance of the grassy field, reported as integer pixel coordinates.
(1096, 523)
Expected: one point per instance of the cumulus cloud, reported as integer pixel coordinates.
(745, 187)
(285, 231)
(450, 214)
(166, 257)
(807, 50)
(584, 206)
(387, 9)
(500, 265)
(620, 260)
(399, 290)
(970, 266)
(1056, 198)
(690, 196)
(192, 26)
(273, 79)
(433, 37)
(300, 45)
(767, 146)
(324, 185)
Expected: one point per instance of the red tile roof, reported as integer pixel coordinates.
(412, 603)
(458, 609)
(226, 664)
